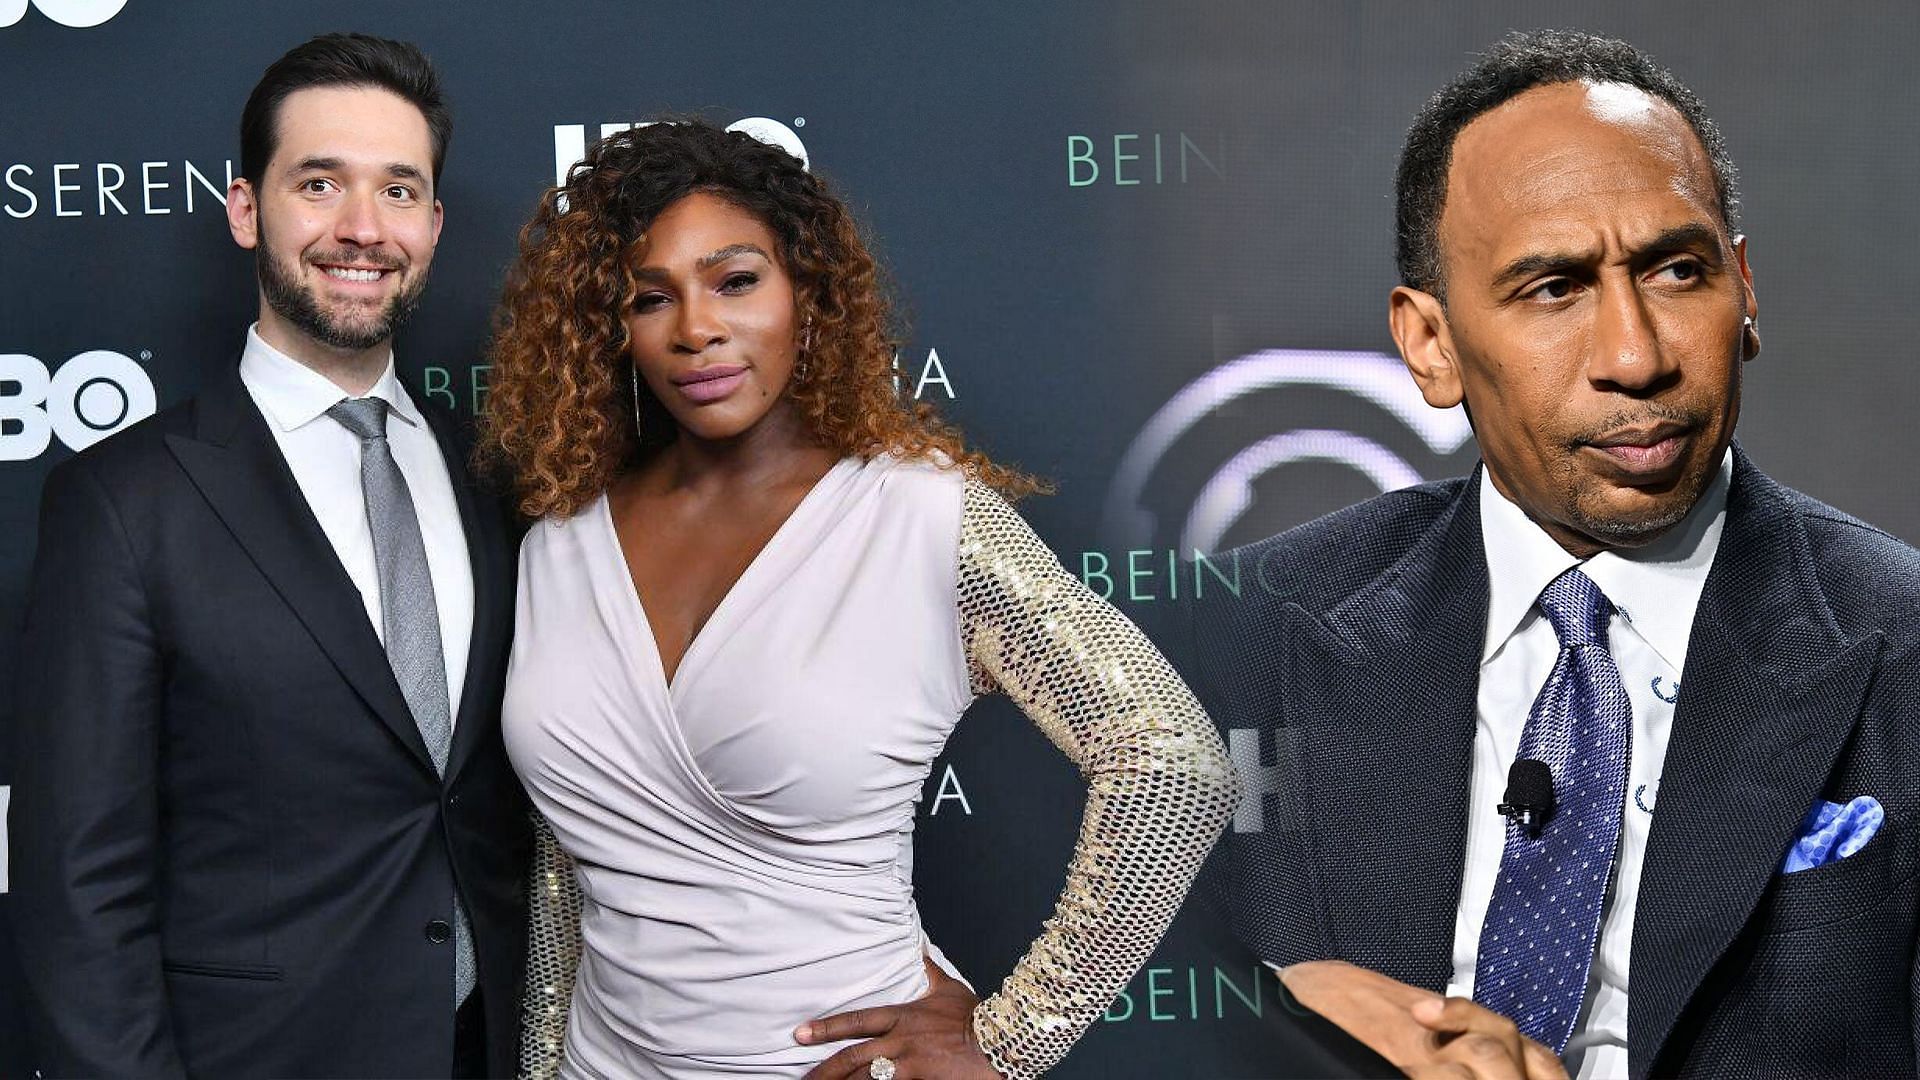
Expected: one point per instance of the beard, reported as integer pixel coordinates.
(1638, 529)
(1643, 529)
(299, 305)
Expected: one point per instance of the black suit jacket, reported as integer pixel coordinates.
(1352, 660)
(228, 839)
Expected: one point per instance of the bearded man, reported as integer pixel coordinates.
(264, 823)
(1601, 760)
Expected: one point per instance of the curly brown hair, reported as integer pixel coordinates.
(561, 409)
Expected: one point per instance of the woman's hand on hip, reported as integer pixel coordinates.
(929, 1038)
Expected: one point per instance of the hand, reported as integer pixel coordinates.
(929, 1038)
(1424, 1035)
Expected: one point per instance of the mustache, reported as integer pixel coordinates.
(1644, 415)
(346, 257)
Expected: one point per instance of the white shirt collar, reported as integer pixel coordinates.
(292, 395)
(1656, 587)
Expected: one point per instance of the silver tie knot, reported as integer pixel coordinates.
(366, 417)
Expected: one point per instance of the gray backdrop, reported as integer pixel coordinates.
(1143, 250)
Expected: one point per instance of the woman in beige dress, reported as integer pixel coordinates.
(760, 592)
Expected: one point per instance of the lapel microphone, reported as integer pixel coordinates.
(1529, 801)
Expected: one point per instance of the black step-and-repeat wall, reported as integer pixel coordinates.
(1143, 249)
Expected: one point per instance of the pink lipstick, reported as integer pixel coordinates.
(709, 384)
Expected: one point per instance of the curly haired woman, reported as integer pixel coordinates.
(762, 592)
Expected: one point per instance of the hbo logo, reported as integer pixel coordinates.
(570, 140)
(92, 396)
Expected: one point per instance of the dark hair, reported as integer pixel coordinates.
(1518, 63)
(562, 412)
(341, 60)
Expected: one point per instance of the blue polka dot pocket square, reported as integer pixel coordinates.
(1833, 831)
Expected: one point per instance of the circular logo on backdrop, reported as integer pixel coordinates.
(79, 14)
(1386, 436)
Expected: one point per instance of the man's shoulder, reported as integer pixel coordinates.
(1322, 560)
(1843, 535)
(1870, 577)
(128, 457)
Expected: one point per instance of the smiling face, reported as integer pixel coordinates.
(1593, 320)
(343, 220)
(712, 329)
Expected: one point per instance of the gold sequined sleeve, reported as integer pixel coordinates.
(553, 955)
(1159, 784)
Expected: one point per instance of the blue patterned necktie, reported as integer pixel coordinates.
(1538, 941)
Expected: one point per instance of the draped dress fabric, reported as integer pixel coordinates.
(741, 837)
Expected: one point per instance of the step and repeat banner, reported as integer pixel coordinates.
(1142, 251)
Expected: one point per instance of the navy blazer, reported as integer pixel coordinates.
(232, 855)
(1347, 671)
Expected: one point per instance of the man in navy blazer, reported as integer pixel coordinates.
(1738, 681)
(265, 824)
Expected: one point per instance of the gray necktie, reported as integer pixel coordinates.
(408, 614)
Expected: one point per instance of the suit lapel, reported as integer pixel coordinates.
(1771, 691)
(233, 460)
(1386, 698)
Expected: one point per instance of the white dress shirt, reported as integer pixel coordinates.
(1654, 590)
(325, 459)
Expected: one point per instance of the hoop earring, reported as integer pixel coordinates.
(634, 377)
(800, 366)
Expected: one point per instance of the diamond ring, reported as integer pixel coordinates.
(881, 1068)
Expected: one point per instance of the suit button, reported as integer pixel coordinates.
(438, 931)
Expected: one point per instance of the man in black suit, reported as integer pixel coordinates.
(264, 823)
(1617, 593)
